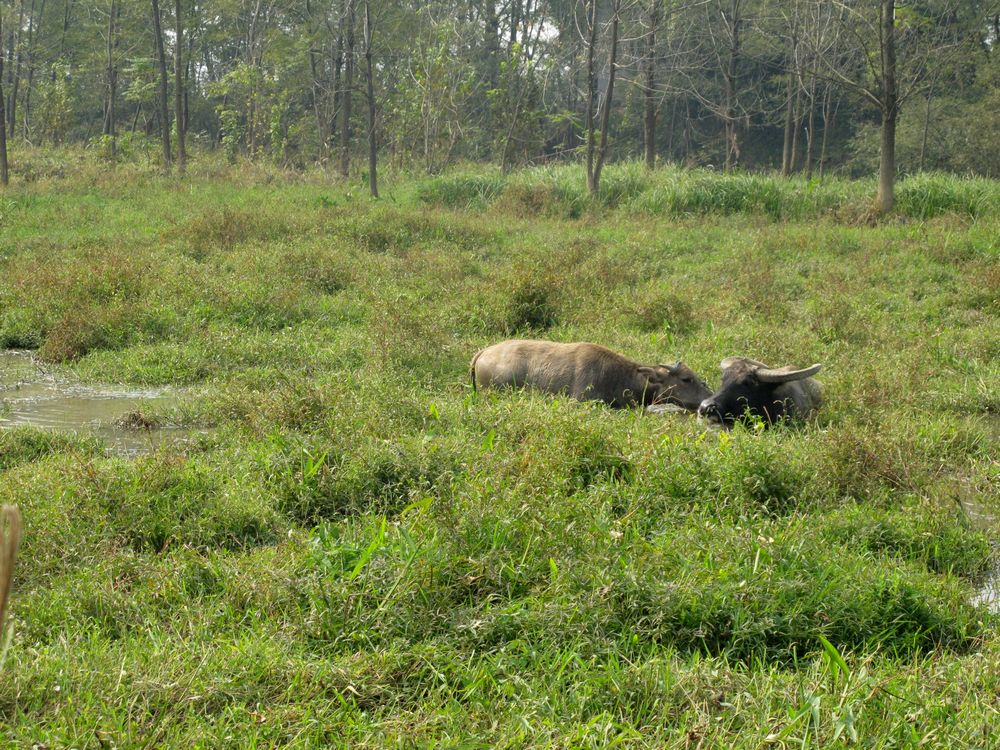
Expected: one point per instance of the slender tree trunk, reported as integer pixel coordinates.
(338, 66)
(316, 89)
(927, 127)
(810, 128)
(570, 136)
(34, 28)
(161, 62)
(687, 131)
(786, 152)
(345, 128)
(793, 157)
(649, 98)
(372, 153)
(591, 11)
(791, 67)
(515, 21)
(887, 161)
(526, 45)
(670, 130)
(4, 171)
(730, 79)
(505, 162)
(111, 82)
(594, 179)
(316, 92)
(16, 79)
(179, 88)
(491, 41)
(253, 58)
(188, 74)
(827, 122)
(67, 15)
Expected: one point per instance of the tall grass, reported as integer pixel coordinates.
(365, 552)
(671, 191)
(934, 193)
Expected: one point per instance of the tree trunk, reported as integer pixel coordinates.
(730, 76)
(887, 161)
(33, 32)
(111, 82)
(927, 127)
(786, 151)
(179, 88)
(338, 65)
(594, 179)
(491, 41)
(515, 21)
(793, 157)
(670, 130)
(810, 128)
(316, 88)
(526, 45)
(591, 11)
(315, 92)
(345, 127)
(16, 80)
(649, 100)
(827, 121)
(372, 153)
(4, 171)
(161, 62)
(67, 15)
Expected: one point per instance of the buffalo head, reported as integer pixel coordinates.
(674, 384)
(752, 388)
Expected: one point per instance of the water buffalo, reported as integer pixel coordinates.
(765, 392)
(587, 372)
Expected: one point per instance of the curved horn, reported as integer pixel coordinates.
(783, 375)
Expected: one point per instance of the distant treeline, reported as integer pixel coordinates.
(801, 86)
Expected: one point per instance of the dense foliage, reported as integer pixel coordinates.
(747, 83)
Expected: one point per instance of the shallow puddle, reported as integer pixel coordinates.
(30, 395)
(988, 591)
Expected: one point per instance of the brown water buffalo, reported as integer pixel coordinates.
(587, 372)
(751, 387)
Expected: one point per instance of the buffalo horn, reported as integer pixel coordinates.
(782, 375)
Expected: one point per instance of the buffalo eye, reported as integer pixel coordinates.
(685, 380)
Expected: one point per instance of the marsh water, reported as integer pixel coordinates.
(988, 593)
(32, 395)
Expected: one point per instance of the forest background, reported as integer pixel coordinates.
(800, 86)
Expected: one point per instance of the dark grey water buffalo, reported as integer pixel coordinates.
(587, 372)
(765, 392)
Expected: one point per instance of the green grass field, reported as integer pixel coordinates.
(362, 552)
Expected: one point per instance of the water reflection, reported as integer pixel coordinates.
(31, 395)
